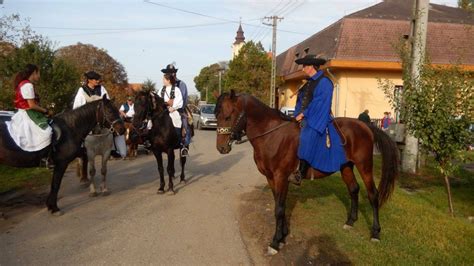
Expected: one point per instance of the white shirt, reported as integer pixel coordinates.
(178, 97)
(27, 91)
(130, 112)
(81, 95)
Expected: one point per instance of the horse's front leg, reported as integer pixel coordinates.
(82, 168)
(52, 200)
(353, 189)
(171, 170)
(280, 191)
(103, 171)
(182, 159)
(91, 164)
(159, 162)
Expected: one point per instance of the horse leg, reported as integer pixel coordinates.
(83, 161)
(353, 188)
(103, 171)
(280, 191)
(182, 159)
(91, 164)
(52, 200)
(159, 162)
(365, 170)
(171, 170)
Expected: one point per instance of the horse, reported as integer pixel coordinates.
(275, 139)
(99, 142)
(132, 139)
(74, 126)
(163, 136)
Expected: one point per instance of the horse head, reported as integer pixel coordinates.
(146, 105)
(109, 116)
(231, 120)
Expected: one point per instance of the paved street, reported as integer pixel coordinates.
(134, 225)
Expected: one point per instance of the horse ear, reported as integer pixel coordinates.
(232, 94)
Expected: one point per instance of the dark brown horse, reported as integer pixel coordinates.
(75, 125)
(275, 140)
(163, 136)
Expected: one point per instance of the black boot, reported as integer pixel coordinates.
(300, 174)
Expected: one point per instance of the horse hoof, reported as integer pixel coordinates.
(281, 245)
(105, 193)
(347, 227)
(160, 191)
(183, 181)
(271, 251)
(84, 185)
(170, 193)
(93, 194)
(57, 213)
(376, 240)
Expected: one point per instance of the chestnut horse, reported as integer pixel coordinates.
(275, 139)
(74, 125)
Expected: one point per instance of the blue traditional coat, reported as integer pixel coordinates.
(316, 125)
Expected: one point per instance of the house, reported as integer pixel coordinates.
(360, 48)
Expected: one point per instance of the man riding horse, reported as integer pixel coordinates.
(320, 145)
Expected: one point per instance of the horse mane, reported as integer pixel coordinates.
(79, 116)
(265, 110)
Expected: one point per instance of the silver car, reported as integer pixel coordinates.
(204, 117)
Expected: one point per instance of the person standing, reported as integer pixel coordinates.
(364, 116)
(170, 69)
(320, 145)
(29, 126)
(126, 110)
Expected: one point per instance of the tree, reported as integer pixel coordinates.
(250, 71)
(437, 109)
(149, 85)
(466, 4)
(86, 57)
(208, 82)
(59, 78)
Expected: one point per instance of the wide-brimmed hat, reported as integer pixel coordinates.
(92, 75)
(311, 60)
(169, 69)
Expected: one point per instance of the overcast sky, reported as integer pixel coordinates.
(144, 36)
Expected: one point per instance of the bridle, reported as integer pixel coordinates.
(236, 131)
(149, 108)
(101, 122)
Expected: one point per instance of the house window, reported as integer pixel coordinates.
(297, 55)
(398, 90)
(306, 50)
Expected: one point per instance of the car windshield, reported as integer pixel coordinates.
(208, 109)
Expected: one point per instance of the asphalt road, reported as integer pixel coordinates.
(135, 225)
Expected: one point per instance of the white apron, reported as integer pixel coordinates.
(26, 134)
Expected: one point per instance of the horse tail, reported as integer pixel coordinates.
(390, 160)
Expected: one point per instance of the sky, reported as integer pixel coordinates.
(146, 35)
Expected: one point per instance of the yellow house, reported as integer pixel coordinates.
(360, 49)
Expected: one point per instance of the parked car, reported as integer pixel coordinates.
(289, 111)
(204, 117)
(6, 115)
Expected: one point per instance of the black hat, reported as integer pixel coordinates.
(92, 75)
(169, 69)
(311, 60)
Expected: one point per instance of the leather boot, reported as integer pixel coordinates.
(300, 174)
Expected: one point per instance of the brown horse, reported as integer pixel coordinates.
(275, 140)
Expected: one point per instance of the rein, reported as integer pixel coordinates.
(104, 119)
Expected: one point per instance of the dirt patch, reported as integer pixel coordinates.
(304, 247)
(17, 205)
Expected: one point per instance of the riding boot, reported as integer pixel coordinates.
(300, 174)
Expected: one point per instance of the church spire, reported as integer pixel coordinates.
(239, 38)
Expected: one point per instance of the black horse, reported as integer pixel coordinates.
(163, 135)
(74, 125)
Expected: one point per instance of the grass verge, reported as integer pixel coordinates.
(12, 178)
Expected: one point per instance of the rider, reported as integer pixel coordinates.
(92, 90)
(29, 127)
(170, 69)
(320, 144)
(126, 110)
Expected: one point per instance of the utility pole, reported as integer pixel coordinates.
(274, 20)
(419, 26)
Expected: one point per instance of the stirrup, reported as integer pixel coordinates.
(184, 152)
(294, 179)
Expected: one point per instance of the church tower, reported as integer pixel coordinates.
(239, 42)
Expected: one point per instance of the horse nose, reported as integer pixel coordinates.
(223, 150)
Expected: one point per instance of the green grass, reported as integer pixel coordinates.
(12, 178)
(416, 225)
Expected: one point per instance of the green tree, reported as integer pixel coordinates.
(437, 109)
(208, 82)
(86, 57)
(250, 72)
(466, 4)
(149, 85)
